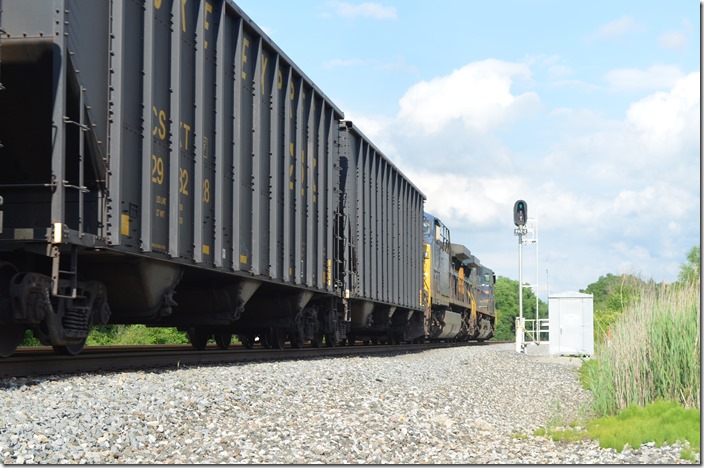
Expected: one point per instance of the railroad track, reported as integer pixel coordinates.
(30, 362)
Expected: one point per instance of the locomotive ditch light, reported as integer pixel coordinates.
(520, 213)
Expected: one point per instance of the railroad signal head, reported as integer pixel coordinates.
(520, 213)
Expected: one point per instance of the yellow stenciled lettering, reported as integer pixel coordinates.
(157, 4)
(303, 172)
(160, 201)
(206, 191)
(315, 185)
(156, 114)
(281, 80)
(265, 62)
(157, 169)
(160, 128)
(245, 46)
(183, 181)
(162, 125)
(293, 95)
(183, 14)
(187, 129)
(206, 25)
(290, 168)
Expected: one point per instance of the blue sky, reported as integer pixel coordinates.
(589, 111)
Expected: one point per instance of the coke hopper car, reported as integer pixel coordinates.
(163, 162)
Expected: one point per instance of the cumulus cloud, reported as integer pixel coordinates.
(655, 77)
(488, 194)
(665, 121)
(478, 94)
(659, 134)
(363, 10)
(611, 194)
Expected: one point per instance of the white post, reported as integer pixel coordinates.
(537, 282)
(520, 325)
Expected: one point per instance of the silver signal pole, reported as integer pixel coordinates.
(520, 231)
(520, 217)
(537, 283)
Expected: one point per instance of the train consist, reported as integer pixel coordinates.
(163, 162)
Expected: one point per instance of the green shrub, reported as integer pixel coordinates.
(134, 335)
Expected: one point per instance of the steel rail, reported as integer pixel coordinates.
(30, 362)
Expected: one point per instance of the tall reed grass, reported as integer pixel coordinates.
(653, 354)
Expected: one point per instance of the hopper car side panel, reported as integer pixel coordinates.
(384, 211)
(167, 141)
(234, 135)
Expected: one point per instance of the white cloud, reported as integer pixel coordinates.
(676, 39)
(393, 64)
(364, 10)
(399, 64)
(655, 77)
(488, 195)
(478, 94)
(659, 135)
(632, 258)
(617, 28)
(343, 63)
(668, 121)
(611, 195)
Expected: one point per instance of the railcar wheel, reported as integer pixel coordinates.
(297, 339)
(297, 334)
(296, 343)
(223, 340)
(351, 340)
(11, 334)
(247, 340)
(317, 340)
(70, 349)
(330, 340)
(264, 340)
(198, 338)
(276, 338)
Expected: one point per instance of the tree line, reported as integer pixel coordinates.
(612, 295)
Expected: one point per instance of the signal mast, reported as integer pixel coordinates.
(520, 216)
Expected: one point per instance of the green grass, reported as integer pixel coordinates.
(563, 434)
(660, 422)
(654, 353)
(646, 381)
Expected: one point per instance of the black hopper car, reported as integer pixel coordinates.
(163, 162)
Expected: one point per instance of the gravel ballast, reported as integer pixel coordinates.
(469, 405)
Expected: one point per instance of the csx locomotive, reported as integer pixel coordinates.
(163, 162)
